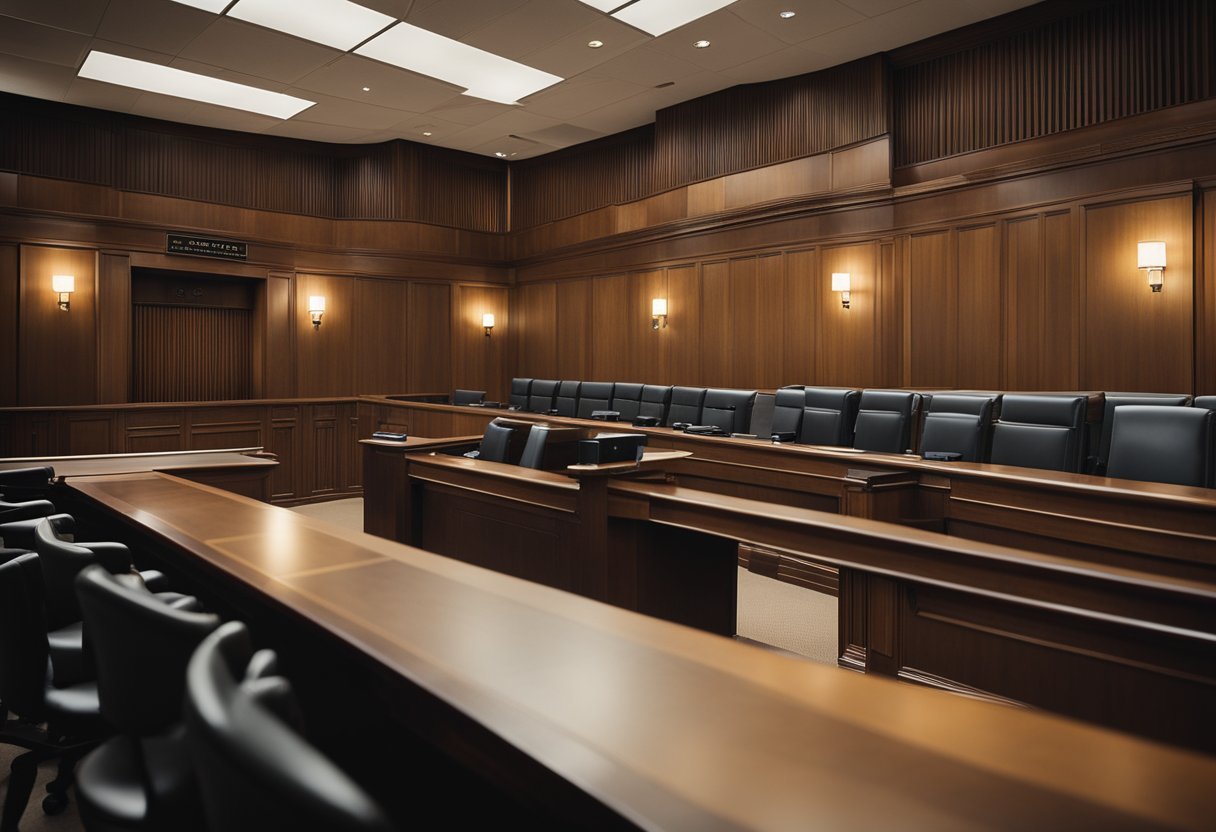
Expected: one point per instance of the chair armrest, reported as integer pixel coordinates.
(19, 534)
(28, 510)
(114, 557)
(154, 580)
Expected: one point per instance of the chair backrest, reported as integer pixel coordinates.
(22, 483)
(62, 561)
(884, 421)
(788, 404)
(655, 401)
(1040, 432)
(829, 415)
(141, 646)
(730, 410)
(468, 396)
(255, 770)
(1205, 401)
(626, 400)
(686, 405)
(1163, 443)
(540, 398)
(592, 396)
(1117, 400)
(520, 388)
(501, 443)
(958, 424)
(23, 644)
(534, 449)
(566, 401)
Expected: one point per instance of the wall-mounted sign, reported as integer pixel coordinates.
(206, 247)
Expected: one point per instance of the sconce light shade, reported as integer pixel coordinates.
(487, 321)
(1150, 257)
(658, 313)
(840, 283)
(64, 285)
(316, 308)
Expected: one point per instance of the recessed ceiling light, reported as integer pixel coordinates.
(141, 75)
(786, 15)
(500, 154)
(367, 89)
(659, 16)
(701, 44)
(337, 23)
(595, 44)
(216, 6)
(481, 73)
(426, 132)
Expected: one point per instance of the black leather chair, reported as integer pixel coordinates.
(730, 410)
(468, 396)
(788, 406)
(1040, 432)
(1205, 401)
(21, 507)
(255, 770)
(829, 416)
(141, 778)
(594, 395)
(958, 424)
(540, 398)
(71, 714)
(626, 400)
(19, 484)
(656, 400)
(520, 388)
(566, 402)
(686, 405)
(1163, 443)
(501, 443)
(1115, 401)
(884, 421)
(534, 449)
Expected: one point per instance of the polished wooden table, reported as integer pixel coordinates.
(596, 717)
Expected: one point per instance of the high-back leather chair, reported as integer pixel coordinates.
(255, 770)
(593, 396)
(686, 405)
(960, 424)
(1205, 401)
(1163, 443)
(884, 421)
(626, 400)
(534, 449)
(520, 388)
(141, 778)
(730, 410)
(655, 401)
(829, 416)
(1040, 431)
(1115, 401)
(566, 401)
(788, 406)
(501, 443)
(468, 396)
(540, 398)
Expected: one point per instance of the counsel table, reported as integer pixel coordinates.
(667, 727)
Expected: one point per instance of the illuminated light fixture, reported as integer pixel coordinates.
(500, 154)
(1150, 256)
(426, 132)
(658, 313)
(482, 74)
(701, 44)
(367, 89)
(337, 23)
(595, 44)
(316, 308)
(216, 6)
(840, 283)
(64, 285)
(141, 75)
(786, 15)
(487, 321)
(660, 16)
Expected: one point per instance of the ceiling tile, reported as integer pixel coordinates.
(564, 135)
(466, 110)
(256, 51)
(89, 93)
(530, 27)
(331, 110)
(34, 78)
(81, 16)
(871, 8)
(225, 118)
(570, 55)
(338, 134)
(581, 95)
(153, 24)
(811, 18)
(647, 67)
(502, 127)
(390, 86)
(456, 18)
(512, 148)
(42, 43)
(413, 127)
(734, 42)
(793, 60)
(230, 75)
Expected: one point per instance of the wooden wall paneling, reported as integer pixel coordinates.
(480, 363)
(889, 319)
(323, 445)
(284, 440)
(534, 330)
(89, 432)
(574, 327)
(10, 293)
(213, 428)
(113, 328)
(803, 317)
(979, 308)
(1061, 293)
(189, 353)
(1025, 333)
(1205, 300)
(381, 337)
(864, 164)
(429, 354)
(323, 354)
(649, 347)
(611, 344)
(683, 333)
(274, 373)
(147, 431)
(717, 336)
(933, 309)
(847, 344)
(1136, 339)
(57, 350)
(758, 358)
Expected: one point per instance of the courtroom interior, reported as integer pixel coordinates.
(607, 414)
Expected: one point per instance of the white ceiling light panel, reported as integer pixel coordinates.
(659, 16)
(216, 6)
(141, 75)
(337, 23)
(482, 74)
(604, 5)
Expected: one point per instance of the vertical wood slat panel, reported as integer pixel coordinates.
(187, 353)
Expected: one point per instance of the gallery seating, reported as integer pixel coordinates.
(1040, 432)
(1158, 443)
(1100, 449)
(958, 424)
(884, 421)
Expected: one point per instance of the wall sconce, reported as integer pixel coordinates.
(64, 285)
(316, 308)
(658, 313)
(1150, 257)
(487, 321)
(840, 283)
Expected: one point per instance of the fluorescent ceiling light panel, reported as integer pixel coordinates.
(216, 6)
(141, 75)
(482, 74)
(659, 16)
(337, 23)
